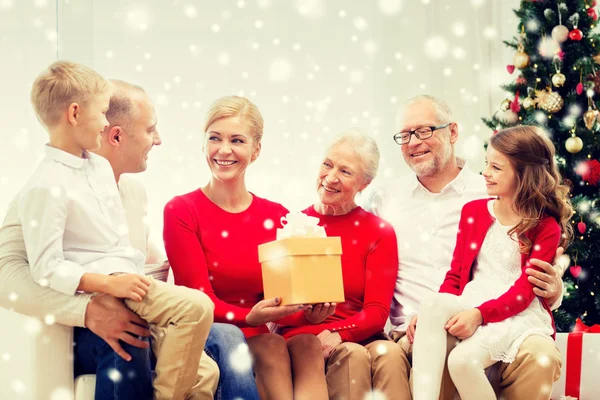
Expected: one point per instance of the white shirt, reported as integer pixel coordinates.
(426, 225)
(18, 291)
(73, 221)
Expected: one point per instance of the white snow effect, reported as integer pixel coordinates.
(490, 32)
(370, 47)
(49, 319)
(540, 117)
(114, 375)
(40, 3)
(18, 386)
(13, 297)
(280, 70)
(375, 395)
(269, 224)
(381, 349)
(310, 9)
(224, 58)
(459, 53)
(533, 25)
(229, 316)
(459, 28)
(240, 359)
(447, 71)
(390, 7)
(264, 3)
(360, 23)
(216, 28)
(436, 47)
(356, 76)
(548, 47)
(61, 393)
(138, 17)
(6, 4)
(258, 24)
(5, 357)
(190, 11)
(240, 3)
(224, 234)
(33, 326)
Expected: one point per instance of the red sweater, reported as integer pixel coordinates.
(217, 251)
(475, 220)
(369, 268)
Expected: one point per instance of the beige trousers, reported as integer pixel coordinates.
(354, 371)
(385, 367)
(530, 376)
(180, 319)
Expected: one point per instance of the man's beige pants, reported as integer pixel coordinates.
(384, 367)
(180, 320)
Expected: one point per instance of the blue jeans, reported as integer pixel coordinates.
(227, 346)
(116, 379)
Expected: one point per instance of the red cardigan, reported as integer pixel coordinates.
(475, 220)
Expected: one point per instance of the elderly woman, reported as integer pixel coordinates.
(356, 362)
(211, 238)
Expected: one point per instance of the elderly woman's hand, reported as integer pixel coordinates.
(317, 313)
(329, 341)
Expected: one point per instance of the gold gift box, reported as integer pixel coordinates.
(303, 270)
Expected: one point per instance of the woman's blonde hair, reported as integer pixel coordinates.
(61, 84)
(236, 106)
(540, 191)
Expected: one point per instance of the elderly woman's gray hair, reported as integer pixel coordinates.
(364, 146)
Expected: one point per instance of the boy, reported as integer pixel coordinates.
(75, 229)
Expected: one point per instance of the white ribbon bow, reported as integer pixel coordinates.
(300, 225)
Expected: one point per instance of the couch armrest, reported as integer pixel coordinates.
(36, 359)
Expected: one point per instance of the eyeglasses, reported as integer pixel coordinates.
(422, 133)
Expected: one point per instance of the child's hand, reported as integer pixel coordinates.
(464, 324)
(412, 327)
(317, 313)
(128, 286)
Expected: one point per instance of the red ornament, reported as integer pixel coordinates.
(510, 69)
(581, 227)
(589, 171)
(514, 105)
(579, 88)
(575, 271)
(575, 34)
(591, 12)
(593, 3)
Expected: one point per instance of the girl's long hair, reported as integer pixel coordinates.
(539, 186)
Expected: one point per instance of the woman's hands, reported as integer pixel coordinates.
(269, 310)
(317, 313)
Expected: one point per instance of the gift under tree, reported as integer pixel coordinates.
(556, 85)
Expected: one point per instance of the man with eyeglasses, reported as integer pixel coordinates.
(424, 209)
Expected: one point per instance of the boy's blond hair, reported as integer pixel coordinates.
(61, 84)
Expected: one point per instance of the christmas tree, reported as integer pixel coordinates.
(557, 86)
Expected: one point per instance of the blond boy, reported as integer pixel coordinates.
(75, 229)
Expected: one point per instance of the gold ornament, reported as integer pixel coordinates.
(528, 103)
(551, 102)
(589, 118)
(505, 105)
(521, 59)
(574, 144)
(558, 79)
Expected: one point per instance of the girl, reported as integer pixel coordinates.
(486, 300)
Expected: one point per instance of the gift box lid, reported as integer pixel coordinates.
(299, 246)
